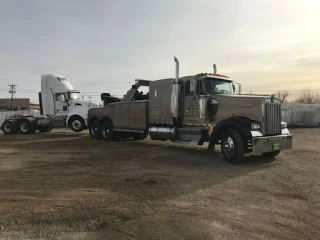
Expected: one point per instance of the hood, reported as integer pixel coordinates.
(83, 103)
(239, 105)
(242, 96)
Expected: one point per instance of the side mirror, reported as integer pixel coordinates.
(239, 88)
(62, 98)
(193, 86)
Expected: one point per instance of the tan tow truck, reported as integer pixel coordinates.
(198, 108)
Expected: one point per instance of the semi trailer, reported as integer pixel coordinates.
(60, 106)
(198, 108)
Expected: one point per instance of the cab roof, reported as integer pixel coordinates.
(207, 75)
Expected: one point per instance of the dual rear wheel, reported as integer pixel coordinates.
(23, 126)
(106, 131)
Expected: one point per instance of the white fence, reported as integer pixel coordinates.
(303, 115)
(4, 115)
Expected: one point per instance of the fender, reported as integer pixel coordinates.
(242, 124)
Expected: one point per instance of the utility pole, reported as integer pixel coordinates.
(12, 91)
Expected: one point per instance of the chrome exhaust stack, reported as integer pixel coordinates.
(175, 92)
(214, 69)
(177, 69)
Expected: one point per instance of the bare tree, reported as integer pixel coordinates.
(317, 98)
(282, 95)
(250, 92)
(307, 97)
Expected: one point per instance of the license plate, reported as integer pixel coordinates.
(276, 146)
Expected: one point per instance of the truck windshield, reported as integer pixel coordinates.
(216, 86)
(73, 95)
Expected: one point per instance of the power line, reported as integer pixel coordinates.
(12, 91)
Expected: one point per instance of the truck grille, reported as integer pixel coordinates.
(272, 116)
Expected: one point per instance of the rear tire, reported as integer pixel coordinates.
(232, 146)
(94, 129)
(271, 154)
(76, 123)
(107, 132)
(10, 127)
(26, 127)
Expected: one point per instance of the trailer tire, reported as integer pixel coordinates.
(232, 146)
(94, 129)
(76, 123)
(10, 127)
(26, 127)
(107, 132)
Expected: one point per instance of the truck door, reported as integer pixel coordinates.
(191, 105)
(61, 107)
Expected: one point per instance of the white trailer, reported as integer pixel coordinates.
(60, 106)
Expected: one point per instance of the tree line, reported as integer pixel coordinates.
(305, 97)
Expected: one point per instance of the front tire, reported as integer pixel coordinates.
(107, 132)
(10, 127)
(232, 146)
(76, 123)
(94, 130)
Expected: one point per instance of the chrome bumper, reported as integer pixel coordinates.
(271, 143)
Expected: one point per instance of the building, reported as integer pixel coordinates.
(18, 104)
(34, 106)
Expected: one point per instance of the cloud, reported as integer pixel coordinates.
(105, 45)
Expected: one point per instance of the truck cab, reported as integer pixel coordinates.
(59, 100)
(60, 106)
(199, 108)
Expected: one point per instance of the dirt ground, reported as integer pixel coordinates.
(64, 185)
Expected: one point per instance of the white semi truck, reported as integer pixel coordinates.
(60, 106)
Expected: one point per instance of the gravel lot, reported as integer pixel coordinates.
(64, 185)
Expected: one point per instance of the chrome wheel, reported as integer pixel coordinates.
(10, 127)
(76, 124)
(7, 127)
(24, 127)
(232, 146)
(106, 132)
(94, 129)
(228, 147)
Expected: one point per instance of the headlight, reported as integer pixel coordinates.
(284, 125)
(255, 126)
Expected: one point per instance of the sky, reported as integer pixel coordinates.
(103, 46)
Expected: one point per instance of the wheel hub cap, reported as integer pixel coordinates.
(24, 127)
(228, 147)
(8, 127)
(76, 124)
